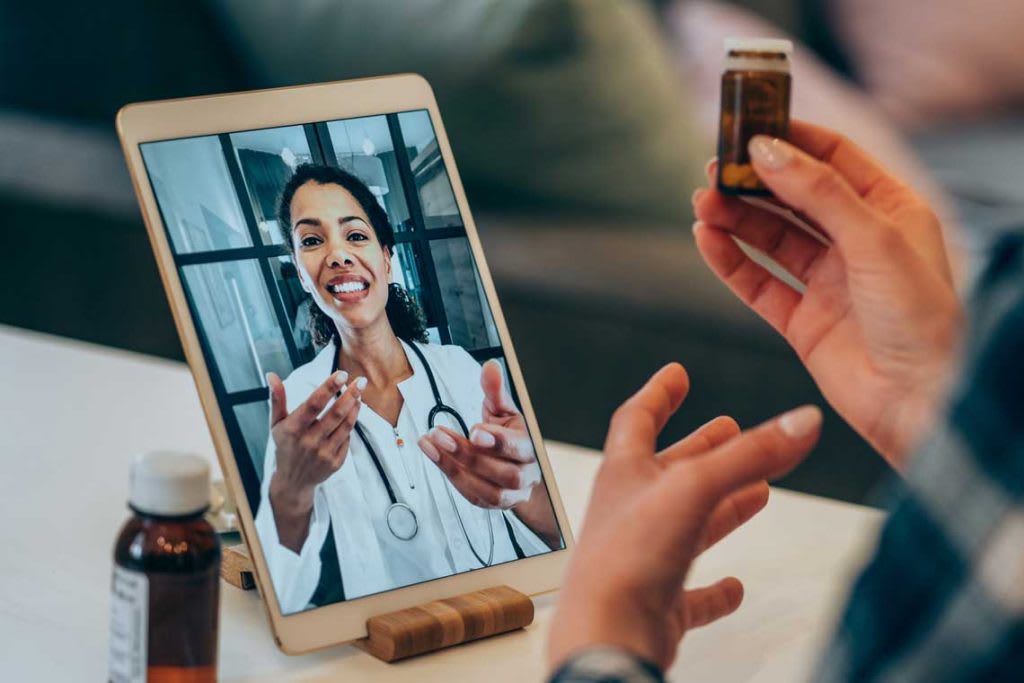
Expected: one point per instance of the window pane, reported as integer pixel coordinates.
(406, 273)
(254, 421)
(364, 148)
(267, 159)
(237, 317)
(296, 305)
(196, 197)
(469, 317)
(437, 200)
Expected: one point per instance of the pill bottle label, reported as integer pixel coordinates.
(129, 621)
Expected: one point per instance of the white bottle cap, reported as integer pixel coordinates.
(777, 45)
(169, 484)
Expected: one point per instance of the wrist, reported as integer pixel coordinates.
(596, 618)
(607, 663)
(536, 513)
(290, 501)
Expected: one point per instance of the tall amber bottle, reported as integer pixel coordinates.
(755, 101)
(165, 584)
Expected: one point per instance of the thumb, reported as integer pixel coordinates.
(497, 401)
(817, 189)
(278, 405)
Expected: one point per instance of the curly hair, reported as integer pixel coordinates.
(404, 314)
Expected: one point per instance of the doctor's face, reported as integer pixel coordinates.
(341, 262)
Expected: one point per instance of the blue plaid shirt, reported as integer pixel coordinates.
(943, 597)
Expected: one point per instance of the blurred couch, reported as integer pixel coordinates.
(579, 134)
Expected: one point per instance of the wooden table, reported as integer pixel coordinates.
(72, 416)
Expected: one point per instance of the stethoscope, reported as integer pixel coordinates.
(400, 517)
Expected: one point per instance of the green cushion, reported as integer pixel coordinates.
(549, 104)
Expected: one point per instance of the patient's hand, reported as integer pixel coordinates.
(879, 321)
(651, 513)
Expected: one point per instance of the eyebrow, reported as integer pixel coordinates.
(315, 222)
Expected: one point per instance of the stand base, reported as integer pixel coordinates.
(421, 629)
(443, 623)
(236, 566)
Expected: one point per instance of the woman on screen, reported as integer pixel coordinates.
(391, 460)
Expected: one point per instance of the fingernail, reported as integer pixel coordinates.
(444, 441)
(800, 422)
(482, 439)
(428, 450)
(696, 225)
(770, 153)
(361, 383)
(711, 164)
(697, 194)
(339, 377)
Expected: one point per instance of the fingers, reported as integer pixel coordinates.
(771, 298)
(787, 245)
(702, 606)
(765, 452)
(310, 410)
(486, 463)
(346, 412)
(709, 435)
(473, 487)
(817, 189)
(503, 442)
(637, 422)
(497, 400)
(278, 402)
(857, 167)
(333, 418)
(734, 512)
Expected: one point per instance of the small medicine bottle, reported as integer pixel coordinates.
(755, 101)
(166, 579)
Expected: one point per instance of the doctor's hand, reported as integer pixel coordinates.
(652, 513)
(496, 467)
(879, 320)
(311, 445)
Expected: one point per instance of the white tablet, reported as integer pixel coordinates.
(341, 324)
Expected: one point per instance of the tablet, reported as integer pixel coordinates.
(343, 330)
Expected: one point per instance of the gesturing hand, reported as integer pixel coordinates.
(879, 320)
(651, 513)
(496, 467)
(311, 445)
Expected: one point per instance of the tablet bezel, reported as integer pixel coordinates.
(229, 113)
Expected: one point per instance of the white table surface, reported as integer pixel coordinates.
(73, 415)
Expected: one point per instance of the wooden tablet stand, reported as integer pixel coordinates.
(424, 628)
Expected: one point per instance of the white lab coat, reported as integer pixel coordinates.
(354, 500)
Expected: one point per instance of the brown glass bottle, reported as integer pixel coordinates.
(755, 101)
(165, 588)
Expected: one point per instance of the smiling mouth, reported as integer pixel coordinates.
(347, 287)
(349, 291)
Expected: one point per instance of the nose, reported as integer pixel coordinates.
(339, 255)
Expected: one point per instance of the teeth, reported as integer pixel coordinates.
(347, 287)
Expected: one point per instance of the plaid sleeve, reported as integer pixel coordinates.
(607, 665)
(943, 597)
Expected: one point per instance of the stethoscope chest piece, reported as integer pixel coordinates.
(402, 521)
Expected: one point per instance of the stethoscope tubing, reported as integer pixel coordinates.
(439, 408)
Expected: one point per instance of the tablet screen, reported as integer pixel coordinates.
(308, 251)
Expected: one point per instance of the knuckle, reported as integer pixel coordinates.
(824, 181)
(623, 415)
(515, 478)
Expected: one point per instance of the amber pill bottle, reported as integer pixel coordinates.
(755, 101)
(166, 580)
